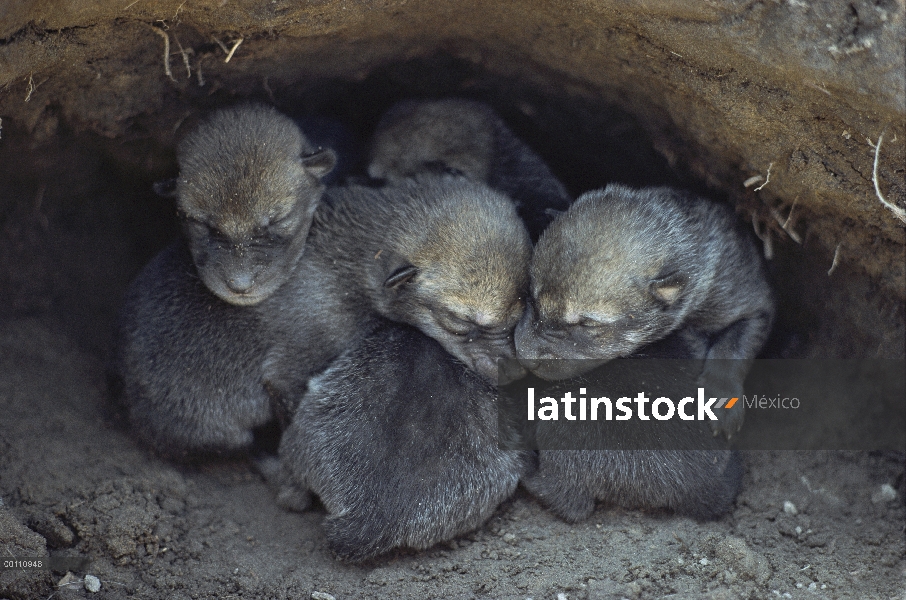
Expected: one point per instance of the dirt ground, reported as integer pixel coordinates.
(807, 525)
(651, 92)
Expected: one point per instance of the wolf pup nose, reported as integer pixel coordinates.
(240, 283)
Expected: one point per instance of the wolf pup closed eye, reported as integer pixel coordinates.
(623, 268)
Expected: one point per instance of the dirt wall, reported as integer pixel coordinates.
(726, 90)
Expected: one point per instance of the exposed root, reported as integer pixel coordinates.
(185, 56)
(752, 181)
(836, 260)
(229, 51)
(233, 50)
(166, 37)
(221, 44)
(198, 71)
(765, 236)
(896, 210)
(767, 179)
(785, 223)
(31, 88)
(179, 8)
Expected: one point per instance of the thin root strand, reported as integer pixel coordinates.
(767, 179)
(785, 223)
(896, 210)
(31, 88)
(233, 50)
(765, 237)
(166, 37)
(836, 260)
(185, 56)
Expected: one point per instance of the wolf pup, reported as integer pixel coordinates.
(443, 253)
(188, 344)
(466, 136)
(649, 464)
(399, 441)
(623, 268)
(249, 182)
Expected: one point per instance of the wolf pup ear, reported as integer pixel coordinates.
(320, 163)
(667, 289)
(400, 276)
(165, 188)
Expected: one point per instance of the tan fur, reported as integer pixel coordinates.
(248, 186)
(455, 134)
(624, 268)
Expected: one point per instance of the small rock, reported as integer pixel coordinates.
(67, 580)
(92, 584)
(322, 596)
(790, 508)
(885, 494)
(561, 596)
(509, 538)
(703, 562)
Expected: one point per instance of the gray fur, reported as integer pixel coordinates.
(466, 136)
(399, 441)
(675, 465)
(248, 185)
(442, 253)
(189, 343)
(189, 363)
(696, 483)
(199, 373)
(624, 268)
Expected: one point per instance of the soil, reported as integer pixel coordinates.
(701, 96)
(807, 524)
